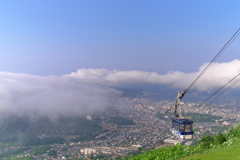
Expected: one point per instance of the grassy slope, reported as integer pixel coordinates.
(226, 153)
(222, 147)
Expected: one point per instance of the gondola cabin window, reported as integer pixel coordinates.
(188, 127)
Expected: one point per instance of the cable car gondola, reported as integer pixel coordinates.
(182, 128)
(181, 125)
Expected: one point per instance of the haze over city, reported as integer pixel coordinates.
(67, 57)
(119, 79)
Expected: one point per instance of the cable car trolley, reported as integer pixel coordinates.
(181, 125)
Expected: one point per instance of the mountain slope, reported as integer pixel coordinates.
(226, 153)
(222, 146)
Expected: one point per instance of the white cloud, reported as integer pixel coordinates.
(216, 76)
(51, 96)
(89, 90)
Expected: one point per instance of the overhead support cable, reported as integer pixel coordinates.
(218, 90)
(235, 35)
(215, 58)
(224, 91)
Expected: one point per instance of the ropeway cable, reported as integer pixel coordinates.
(215, 58)
(217, 91)
(233, 84)
(235, 35)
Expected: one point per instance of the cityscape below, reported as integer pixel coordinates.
(134, 123)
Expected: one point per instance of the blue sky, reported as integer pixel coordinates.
(58, 37)
(64, 57)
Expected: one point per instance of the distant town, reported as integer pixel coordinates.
(147, 132)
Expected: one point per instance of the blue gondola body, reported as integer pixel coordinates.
(182, 128)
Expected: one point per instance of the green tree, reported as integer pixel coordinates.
(219, 139)
(206, 141)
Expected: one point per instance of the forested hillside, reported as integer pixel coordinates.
(23, 131)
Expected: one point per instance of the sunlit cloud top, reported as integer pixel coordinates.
(216, 76)
(90, 91)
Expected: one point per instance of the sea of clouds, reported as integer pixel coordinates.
(89, 91)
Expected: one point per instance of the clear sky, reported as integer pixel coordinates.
(64, 57)
(57, 37)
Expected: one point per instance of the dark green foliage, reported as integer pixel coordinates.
(219, 139)
(121, 121)
(206, 141)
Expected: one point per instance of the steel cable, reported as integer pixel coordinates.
(217, 91)
(216, 57)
